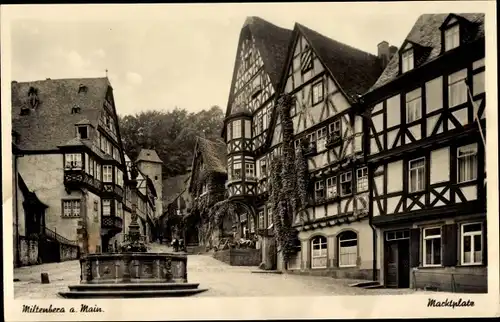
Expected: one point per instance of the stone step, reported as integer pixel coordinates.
(131, 294)
(132, 286)
(364, 284)
(372, 287)
(263, 271)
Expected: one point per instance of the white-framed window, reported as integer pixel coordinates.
(98, 171)
(407, 61)
(236, 129)
(106, 207)
(248, 129)
(331, 187)
(467, 163)
(71, 208)
(237, 170)
(261, 220)
(348, 248)
(119, 177)
(317, 90)
(249, 170)
(417, 175)
(432, 246)
(471, 241)
(452, 38)
(319, 247)
(362, 179)
(321, 137)
(73, 161)
(334, 128)
(269, 216)
(346, 184)
(319, 190)
(457, 88)
(413, 105)
(263, 168)
(107, 173)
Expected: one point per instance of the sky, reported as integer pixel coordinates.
(167, 56)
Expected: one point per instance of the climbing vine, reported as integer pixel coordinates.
(288, 184)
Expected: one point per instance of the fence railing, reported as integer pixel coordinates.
(54, 235)
(450, 282)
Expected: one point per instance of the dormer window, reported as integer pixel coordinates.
(407, 61)
(75, 109)
(83, 132)
(82, 89)
(452, 37)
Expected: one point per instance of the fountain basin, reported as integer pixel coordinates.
(112, 275)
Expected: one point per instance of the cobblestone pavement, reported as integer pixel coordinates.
(221, 280)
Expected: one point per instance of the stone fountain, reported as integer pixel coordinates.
(133, 272)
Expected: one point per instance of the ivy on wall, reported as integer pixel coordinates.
(288, 184)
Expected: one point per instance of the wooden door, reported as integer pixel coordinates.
(392, 263)
(404, 263)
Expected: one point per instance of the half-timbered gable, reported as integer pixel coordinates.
(260, 56)
(427, 156)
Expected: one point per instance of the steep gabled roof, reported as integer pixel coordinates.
(213, 154)
(173, 187)
(354, 70)
(427, 33)
(271, 42)
(148, 156)
(52, 124)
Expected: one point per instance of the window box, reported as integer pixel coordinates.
(333, 140)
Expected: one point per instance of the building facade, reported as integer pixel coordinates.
(69, 157)
(427, 157)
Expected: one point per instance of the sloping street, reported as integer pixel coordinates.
(221, 280)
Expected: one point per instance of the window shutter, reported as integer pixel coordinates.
(485, 243)
(415, 247)
(450, 243)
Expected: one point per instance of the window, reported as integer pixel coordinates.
(119, 209)
(91, 167)
(331, 187)
(251, 221)
(317, 90)
(261, 220)
(335, 128)
(71, 208)
(98, 171)
(96, 205)
(346, 184)
(249, 170)
(237, 129)
(269, 216)
(297, 144)
(102, 142)
(413, 106)
(467, 163)
(306, 60)
(260, 123)
(319, 253)
(457, 88)
(407, 61)
(362, 179)
(432, 246)
(119, 177)
(248, 129)
(237, 170)
(312, 140)
(452, 38)
(417, 175)
(263, 168)
(319, 190)
(321, 134)
(107, 173)
(348, 249)
(106, 207)
(73, 161)
(472, 244)
(83, 132)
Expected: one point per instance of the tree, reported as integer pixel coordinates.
(171, 133)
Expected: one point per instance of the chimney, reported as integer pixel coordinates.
(383, 53)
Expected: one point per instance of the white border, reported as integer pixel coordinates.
(255, 307)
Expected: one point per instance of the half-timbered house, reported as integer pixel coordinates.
(326, 78)
(427, 157)
(68, 152)
(260, 56)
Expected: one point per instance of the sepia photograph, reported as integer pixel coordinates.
(221, 151)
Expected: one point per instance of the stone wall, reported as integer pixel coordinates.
(68, 252)
(451, 279)
(28, 251)
(239, 257)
